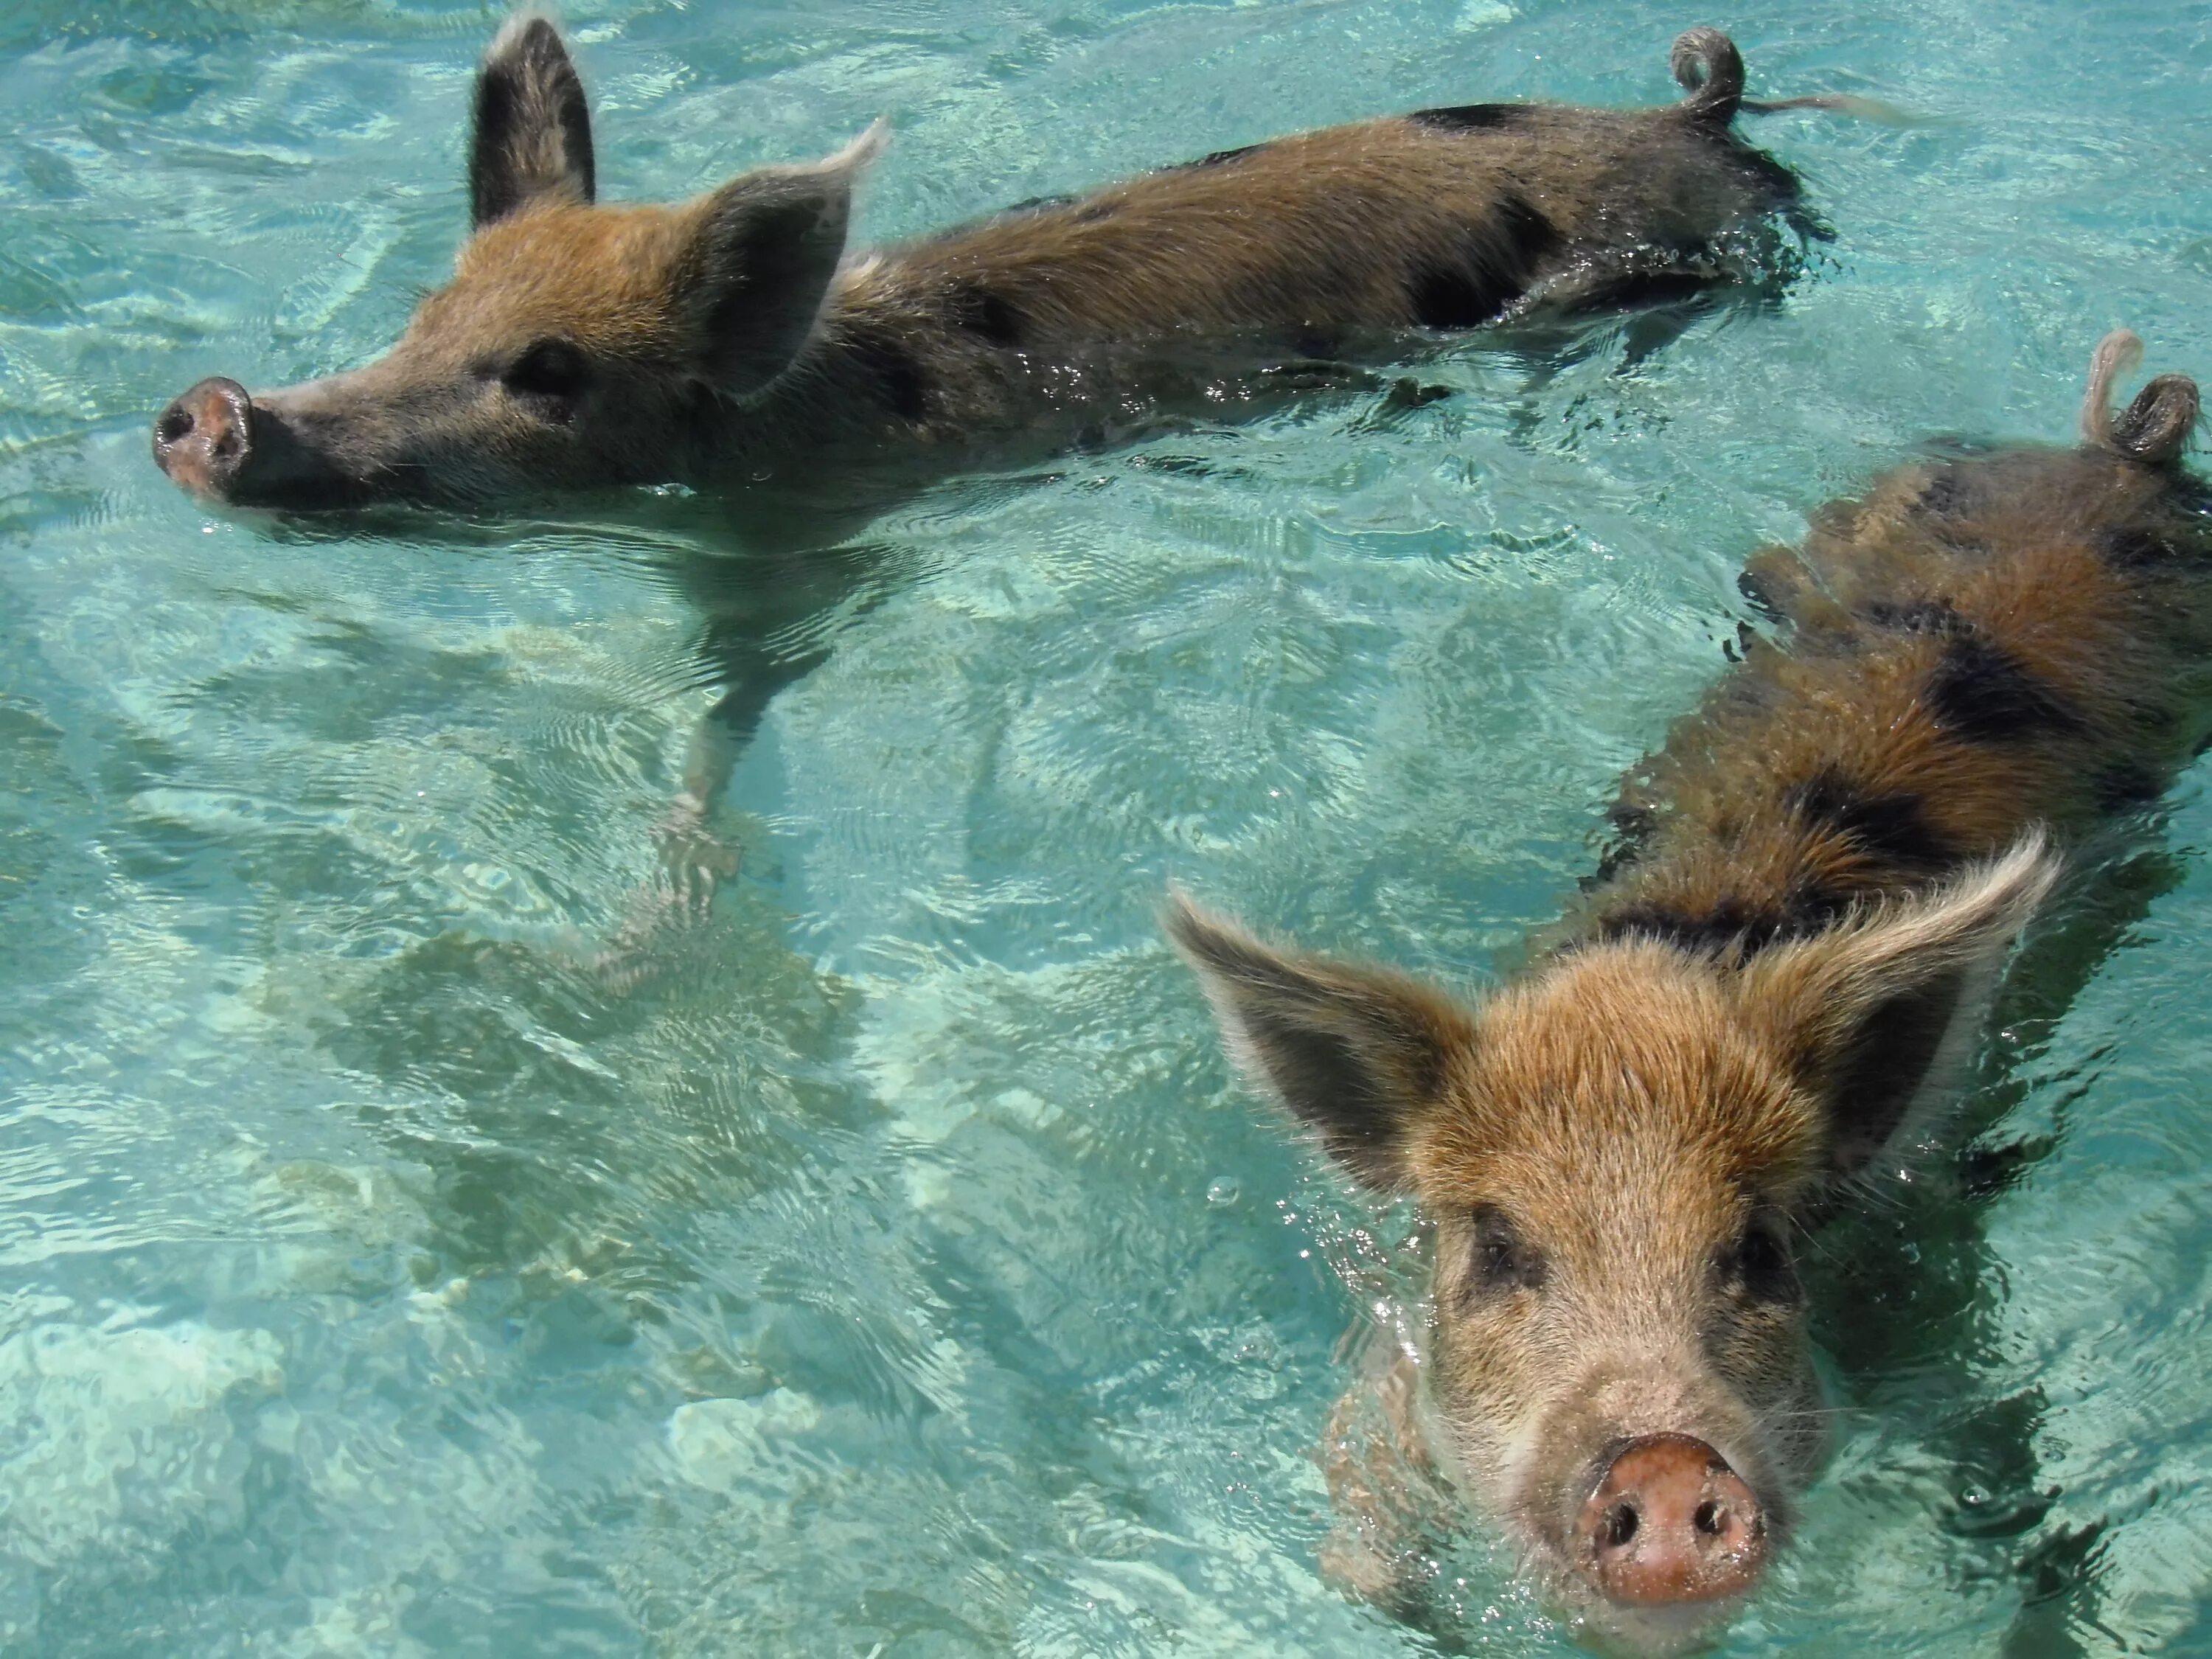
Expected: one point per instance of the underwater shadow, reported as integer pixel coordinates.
(1906, 1290)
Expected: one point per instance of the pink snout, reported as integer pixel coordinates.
(1671, 1522)
(204, 439)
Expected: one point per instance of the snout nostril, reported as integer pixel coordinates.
(1710, 1519)
(175, 425)
(1621, 1522)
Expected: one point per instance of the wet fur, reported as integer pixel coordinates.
(1819, 875)
(732, 338)
(1981, 643)
(1323, 244)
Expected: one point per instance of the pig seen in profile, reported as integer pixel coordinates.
(735, 338)
(1769, 982)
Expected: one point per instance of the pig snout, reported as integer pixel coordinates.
(1669, 1522)
(280, 451)
(206, 438)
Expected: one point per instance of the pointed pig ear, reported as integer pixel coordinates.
(1353, 1053)
(762, 253)
(532, 141)
(1880, 1013)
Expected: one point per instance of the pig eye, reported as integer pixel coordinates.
(1504, 1260)
(1760, 1263)
(550, 374)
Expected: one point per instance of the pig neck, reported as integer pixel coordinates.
(861, 394)
(915, 363)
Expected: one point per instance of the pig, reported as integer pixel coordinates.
(734, 339)
(1765, 991)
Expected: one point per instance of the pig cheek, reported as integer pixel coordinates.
(1767, 1361)
(485, 448)
(1490, 1390)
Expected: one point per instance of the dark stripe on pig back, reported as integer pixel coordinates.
(1220, 157)
(1979, 691)
(1472, 117)
(1471, 285)
(1892, 827)
(983, 311)
(1031, 205)
(1733, 924)
(891, 370)
(1984, 693)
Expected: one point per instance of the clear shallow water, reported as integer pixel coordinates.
(895, 1272)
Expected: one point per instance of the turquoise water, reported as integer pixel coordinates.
(890, 1268)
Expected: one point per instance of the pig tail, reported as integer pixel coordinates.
(1708, 67)
(2153, 428)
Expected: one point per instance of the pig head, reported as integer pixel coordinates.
(576, 346)
(1619, 1154)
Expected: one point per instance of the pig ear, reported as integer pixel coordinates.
(764, 249)
(1879, 1015)
(1354, 1053)
(533, 130)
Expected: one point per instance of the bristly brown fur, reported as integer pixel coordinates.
(1980, 644)
(732, 340)
(1376, 228)
(1823, 868)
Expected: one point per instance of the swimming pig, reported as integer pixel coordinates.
(734, 337)
(1783, 962)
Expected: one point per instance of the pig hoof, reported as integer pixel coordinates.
(694, 863)
(694, 860)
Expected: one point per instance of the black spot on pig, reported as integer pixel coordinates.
(984, 312)
(1892, 827)
(1982, 693)
(2134, 548)
(1475, 285)
(1946, 494)
(2126, 787)
(1472, 117)
(893, 371)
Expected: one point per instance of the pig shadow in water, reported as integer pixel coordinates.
(1914, 1280)
(777, 572)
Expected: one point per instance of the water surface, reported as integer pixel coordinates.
(894, 1270)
